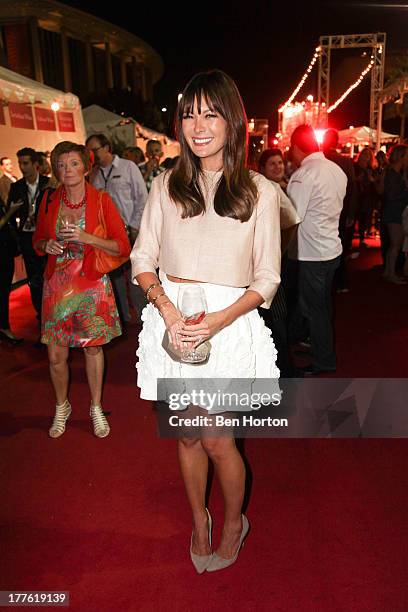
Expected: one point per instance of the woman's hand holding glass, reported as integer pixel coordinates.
(70, 232)
(197, 326)
(211, 324)
(173, 321)
(53, 247)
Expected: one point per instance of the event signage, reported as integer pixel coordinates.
(65, 122)
(21, 115)
(45, 119)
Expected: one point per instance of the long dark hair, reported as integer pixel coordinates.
(236, 192)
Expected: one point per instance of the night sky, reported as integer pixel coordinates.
(265, 46)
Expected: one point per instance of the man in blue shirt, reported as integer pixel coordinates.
(123, 181)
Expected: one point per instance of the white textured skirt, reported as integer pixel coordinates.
(242, 350)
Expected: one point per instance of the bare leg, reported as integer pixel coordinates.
(94, 370)
(193, 462)
(194, 469)
(58, 358)
(230, 470)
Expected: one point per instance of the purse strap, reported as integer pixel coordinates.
(101, 216)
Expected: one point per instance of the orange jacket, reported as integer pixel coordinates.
(47, 222)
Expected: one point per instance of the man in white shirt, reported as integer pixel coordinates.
(317, 189)
(124, 182)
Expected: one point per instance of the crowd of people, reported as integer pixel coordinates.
(20, 203)
(265, 249)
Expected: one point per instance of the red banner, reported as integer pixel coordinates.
(21, 115)
(2, 117)
(65, 122)
(45, 119)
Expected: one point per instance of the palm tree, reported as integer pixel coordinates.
(398, 72)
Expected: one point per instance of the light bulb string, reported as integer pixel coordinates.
(352, 86)
(302, 80)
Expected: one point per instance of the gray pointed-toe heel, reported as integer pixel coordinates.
(217, 562)
(201, 562)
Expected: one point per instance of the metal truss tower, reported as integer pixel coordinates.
(353, 41)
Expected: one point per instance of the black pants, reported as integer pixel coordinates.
(385, 241)
(34, 265)
(315, 307)
(6, 279)
(346, 237)
(364, 222)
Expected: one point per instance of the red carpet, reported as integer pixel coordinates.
(107, 520)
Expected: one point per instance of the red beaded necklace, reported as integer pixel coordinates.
(70, 204)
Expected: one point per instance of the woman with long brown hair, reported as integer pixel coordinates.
(213, 223)
(366, 189)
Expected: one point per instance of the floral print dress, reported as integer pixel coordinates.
(76, 311)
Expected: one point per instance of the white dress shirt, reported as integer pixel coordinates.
(317, 190)
(32, 192)
(125, 184)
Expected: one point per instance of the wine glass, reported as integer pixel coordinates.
(193, 306)
(65, 220)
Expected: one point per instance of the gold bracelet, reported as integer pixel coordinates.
(150, 288)
(153, 300)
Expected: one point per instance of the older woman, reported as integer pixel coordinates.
(211, 222)
(78, 307)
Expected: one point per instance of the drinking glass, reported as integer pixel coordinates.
(65, 220)
(193, 306)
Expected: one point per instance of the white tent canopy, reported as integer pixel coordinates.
(17, 88)
(364, 135)
(27, 120)
(125, 131)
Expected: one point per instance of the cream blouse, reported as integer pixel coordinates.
(209, 248)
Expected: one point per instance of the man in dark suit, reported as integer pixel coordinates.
(348, 213)
(29, 190)
(7, 178)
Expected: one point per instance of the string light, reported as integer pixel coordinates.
(302, 80)
(353, 86)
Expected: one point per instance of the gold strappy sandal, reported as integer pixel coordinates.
(100, 424)
(62, 413)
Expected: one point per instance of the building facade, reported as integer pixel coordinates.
(77, 52)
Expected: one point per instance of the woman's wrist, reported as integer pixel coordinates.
(160, 300)
(227, 316)
(154, 291)
(166, 308)
(87, 238)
